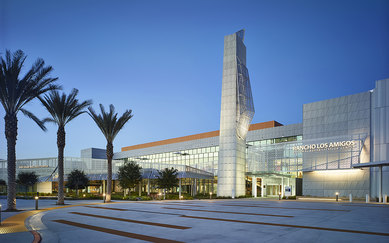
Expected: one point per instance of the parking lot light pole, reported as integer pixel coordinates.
(337, 196)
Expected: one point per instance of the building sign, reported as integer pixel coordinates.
(32, 166)
(288, 191)
(324, 146)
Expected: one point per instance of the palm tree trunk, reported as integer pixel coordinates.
(11, 132)
(61, 147)
(109, 172)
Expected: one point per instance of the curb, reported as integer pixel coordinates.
(37, 236)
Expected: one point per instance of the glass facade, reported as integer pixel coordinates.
(274, 156)
(290, 155)
(245, 107)
(272, 161)
(205, 158)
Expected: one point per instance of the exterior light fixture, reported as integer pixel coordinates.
(36, 202)
(103, 197)
(210, 195)
(84, 195)
(337, 196)
(279, 196)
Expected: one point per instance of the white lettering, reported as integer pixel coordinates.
(324, 146)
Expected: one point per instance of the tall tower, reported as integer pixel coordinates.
(237, 111)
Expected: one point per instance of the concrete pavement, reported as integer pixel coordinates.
(249, 220)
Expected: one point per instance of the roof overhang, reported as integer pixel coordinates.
(372, 164)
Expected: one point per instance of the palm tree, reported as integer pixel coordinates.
(110, 126)
(63, 109)
(15, 92)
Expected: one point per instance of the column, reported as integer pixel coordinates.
(179, 188)
(212, 181)
(148, 187)
(380, 184)
(103, 186)
(195, 187)
(282, 187)
(254, 186)
(262, 187)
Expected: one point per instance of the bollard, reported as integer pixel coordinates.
(36, 202)
(103, 197)
(337, 196)
(210, 195)
(367, 198)
(279, 196)
(385, 198)
(351, 197)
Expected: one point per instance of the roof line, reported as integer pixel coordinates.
(256, 126)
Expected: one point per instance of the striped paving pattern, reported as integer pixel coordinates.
(185, 221)
(264, 206)
(212, 211)
(132, 221)
(290, 225)
(117, 232)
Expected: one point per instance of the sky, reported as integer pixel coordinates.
(164, 60)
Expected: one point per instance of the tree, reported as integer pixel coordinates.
(27, 179)
(110, 126)
(63, 109)
(129, 175)
(167, 178)
(15, 92)
(77, 180)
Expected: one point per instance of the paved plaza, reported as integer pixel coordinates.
(242, 220)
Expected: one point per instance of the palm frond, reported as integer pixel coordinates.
(40, 123)
(16, 91)
(64, 108)
(108, 122)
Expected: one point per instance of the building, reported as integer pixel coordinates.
(341, 146)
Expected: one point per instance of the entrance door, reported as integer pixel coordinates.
(272, 190)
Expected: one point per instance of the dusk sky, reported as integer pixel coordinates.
(164, 60)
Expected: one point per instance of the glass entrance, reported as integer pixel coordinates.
(272, 190)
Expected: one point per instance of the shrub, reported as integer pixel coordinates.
(290, 198)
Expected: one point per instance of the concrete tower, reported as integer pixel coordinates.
(237, 111)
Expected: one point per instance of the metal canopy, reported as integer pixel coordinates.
(372, 164)
(147, 173)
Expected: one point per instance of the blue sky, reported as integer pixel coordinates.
(164, 59)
